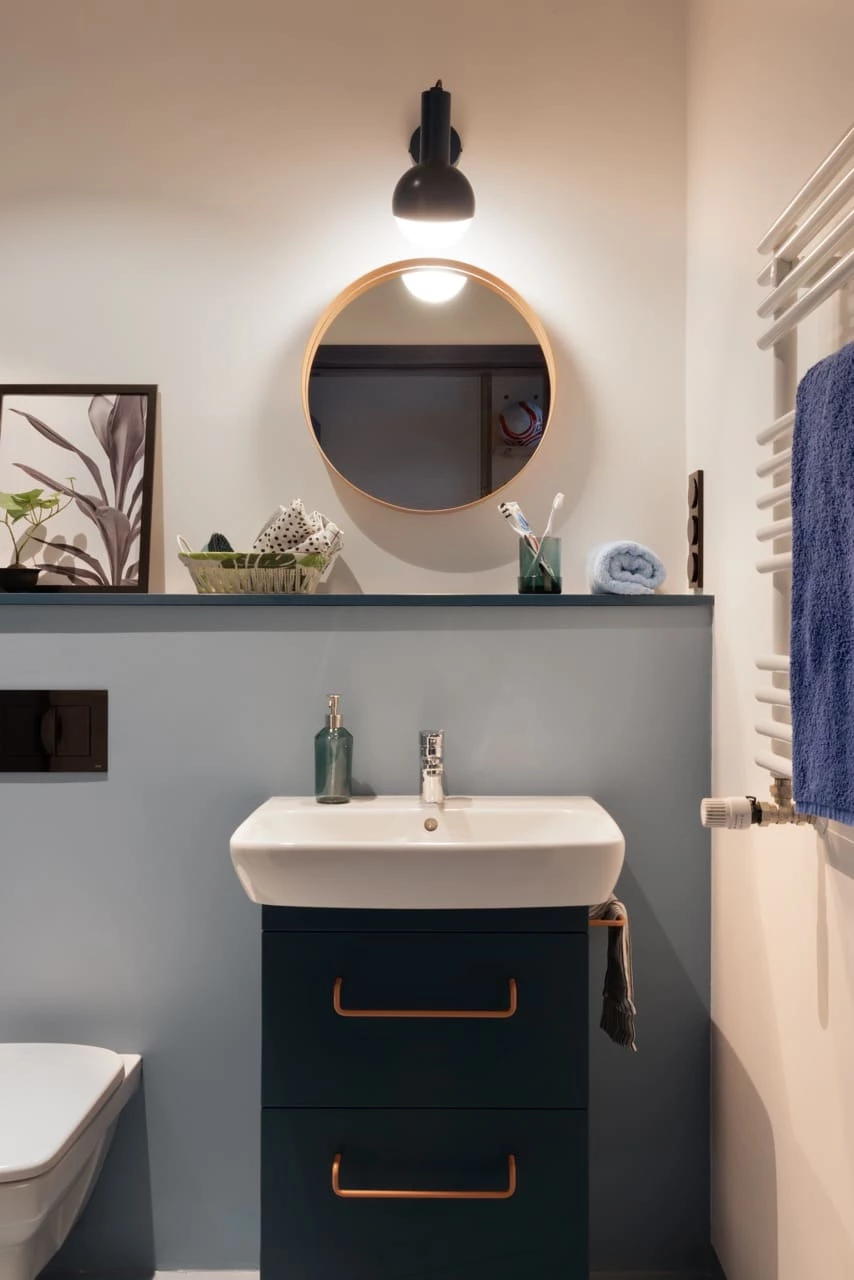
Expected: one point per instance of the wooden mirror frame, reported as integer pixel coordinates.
(392, 271)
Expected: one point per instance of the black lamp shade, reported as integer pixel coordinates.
(433, 190)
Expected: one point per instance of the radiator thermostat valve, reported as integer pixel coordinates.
(733, 812)
(737, 813)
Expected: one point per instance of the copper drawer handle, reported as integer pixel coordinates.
(424, 1195)
(509, 1012)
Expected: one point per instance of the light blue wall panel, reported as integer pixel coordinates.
(122, 924)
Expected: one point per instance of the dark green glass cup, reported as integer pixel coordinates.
(539, 572)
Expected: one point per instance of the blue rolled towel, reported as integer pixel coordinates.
(822, 655)
(625, 569)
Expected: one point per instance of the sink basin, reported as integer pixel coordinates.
(378, 851)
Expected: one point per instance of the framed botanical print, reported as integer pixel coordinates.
(76, 483)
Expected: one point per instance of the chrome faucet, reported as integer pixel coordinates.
(432, 766)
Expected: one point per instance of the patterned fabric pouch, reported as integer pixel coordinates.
(291, 529)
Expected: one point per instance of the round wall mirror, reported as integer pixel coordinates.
(428, 385)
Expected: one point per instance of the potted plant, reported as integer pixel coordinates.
(34, 508)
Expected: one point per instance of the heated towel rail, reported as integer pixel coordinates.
(810, 250)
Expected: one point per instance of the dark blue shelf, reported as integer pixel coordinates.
(73, 599)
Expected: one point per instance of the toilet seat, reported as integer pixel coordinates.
(49, 1093)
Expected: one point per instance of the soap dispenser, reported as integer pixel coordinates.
(333, 758)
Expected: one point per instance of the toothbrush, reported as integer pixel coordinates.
(556, 506)
(513, 514)
(557, 503)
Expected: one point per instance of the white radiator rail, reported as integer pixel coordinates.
(778, 765)
(811, 248)
(809, 193)
(777, 428)
(810, 268)
(777, 729)
(773, 498)
(773, 662)
(815, 221)
(775, 564)
(834, 280)
(777, 529)
(775, 697)
(776, 462)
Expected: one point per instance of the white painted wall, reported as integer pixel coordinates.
(186, 184)
(769, 94)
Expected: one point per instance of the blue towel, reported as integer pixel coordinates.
(822, 663)
(625, 569)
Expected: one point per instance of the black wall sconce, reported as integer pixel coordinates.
(433, 202)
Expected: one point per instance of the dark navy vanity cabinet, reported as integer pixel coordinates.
(424, 1095)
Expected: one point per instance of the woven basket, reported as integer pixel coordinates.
(252, 572)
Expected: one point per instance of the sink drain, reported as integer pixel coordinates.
(430, 824)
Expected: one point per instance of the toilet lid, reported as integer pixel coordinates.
(48, 1094)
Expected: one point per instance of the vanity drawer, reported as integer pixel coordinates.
(536, 1227)
(361, 920)
(506, 1022)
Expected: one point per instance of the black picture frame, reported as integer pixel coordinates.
(148, 394)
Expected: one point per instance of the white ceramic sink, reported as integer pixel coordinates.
(379, 851)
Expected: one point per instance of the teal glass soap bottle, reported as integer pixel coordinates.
(333, 758)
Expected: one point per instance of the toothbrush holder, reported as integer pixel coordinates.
(539, 572)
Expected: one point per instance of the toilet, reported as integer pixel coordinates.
(59, 1104)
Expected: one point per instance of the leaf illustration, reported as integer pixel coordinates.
(87, 503)
(69, 549)
(100, 408)
(55, 438)
(16, 501)
(17, 504)
(132, 572)
(116, 532)
(135, 497)
(126, 442)
(120, 429)
(72, 572)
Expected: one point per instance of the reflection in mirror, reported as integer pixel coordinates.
(429, 406)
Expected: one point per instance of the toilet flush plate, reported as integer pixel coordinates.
(472, 852)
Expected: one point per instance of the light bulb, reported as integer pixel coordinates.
(434, 284)
(433, 234)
